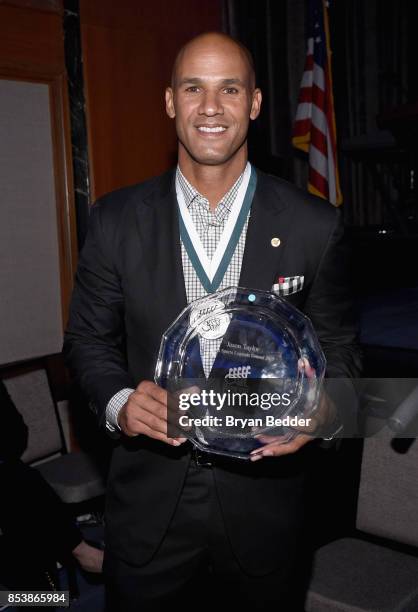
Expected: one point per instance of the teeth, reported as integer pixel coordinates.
(218, 128)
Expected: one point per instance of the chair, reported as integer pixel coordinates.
(355, 575)
(76, 476)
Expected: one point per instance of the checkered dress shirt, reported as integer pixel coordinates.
(209, 226)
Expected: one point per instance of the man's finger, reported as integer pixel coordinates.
(149, 388)
(156, 435)
(303, 364)
(134, 413)
(277, 450)
(152, 406)
(151, 420)
(266, 439)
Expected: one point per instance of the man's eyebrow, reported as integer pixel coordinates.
(233, 82)
(199, 81)
(192, 80)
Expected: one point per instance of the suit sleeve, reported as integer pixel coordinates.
(94, 340)
(329, 306)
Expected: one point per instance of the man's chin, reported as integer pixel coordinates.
(212, 159)
(211, 156)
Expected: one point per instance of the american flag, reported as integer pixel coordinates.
(314, 128)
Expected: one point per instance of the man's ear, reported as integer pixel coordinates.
(256, 104)
(169, 103)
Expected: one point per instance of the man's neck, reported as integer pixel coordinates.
(213, 182)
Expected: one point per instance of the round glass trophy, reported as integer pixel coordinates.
(241, 366)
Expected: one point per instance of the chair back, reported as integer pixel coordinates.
(32, 397)
(388, 493)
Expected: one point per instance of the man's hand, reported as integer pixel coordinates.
(145, 413)
(276, 446)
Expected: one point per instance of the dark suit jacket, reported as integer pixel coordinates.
(130, 287)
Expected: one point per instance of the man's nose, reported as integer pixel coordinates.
(210, 104)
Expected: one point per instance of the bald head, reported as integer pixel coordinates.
(212, 99)
(215, 42)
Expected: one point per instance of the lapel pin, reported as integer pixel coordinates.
(275, 242)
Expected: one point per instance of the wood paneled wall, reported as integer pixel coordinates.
(128, 49)
(32, 49)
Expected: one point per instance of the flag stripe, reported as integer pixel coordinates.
(304, 111)
(305, 96)
(318, 161)
(303, 128)
(307, 79)
(319, 140)
(319, 182)
(309, 62)
(319, 77)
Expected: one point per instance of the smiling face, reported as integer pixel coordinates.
(212, 99)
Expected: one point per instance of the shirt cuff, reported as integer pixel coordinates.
(114, 406)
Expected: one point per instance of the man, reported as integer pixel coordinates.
(168, 516)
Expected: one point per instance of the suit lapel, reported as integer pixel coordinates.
(157, 221)
(270, 218)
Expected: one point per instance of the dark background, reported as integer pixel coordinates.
(114, 60)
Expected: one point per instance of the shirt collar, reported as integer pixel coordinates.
(191, 194)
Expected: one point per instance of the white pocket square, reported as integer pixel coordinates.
(286, 285)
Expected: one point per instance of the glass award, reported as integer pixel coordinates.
(233, 363)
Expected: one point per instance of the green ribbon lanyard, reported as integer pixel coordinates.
(211, 287)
